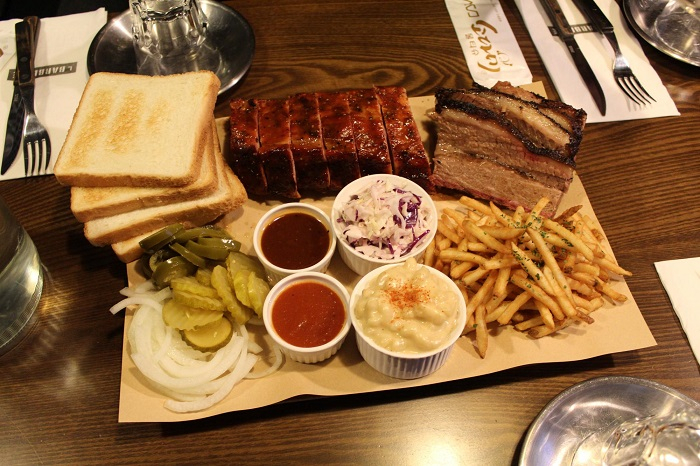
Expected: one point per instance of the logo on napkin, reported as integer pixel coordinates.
(49, 70)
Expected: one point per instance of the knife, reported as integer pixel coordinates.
(561, 25)
(15, 119)
(25, 36)
(13, 134)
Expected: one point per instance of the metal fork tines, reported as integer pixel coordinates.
(622, 72)
(624, 76)
(37, 144)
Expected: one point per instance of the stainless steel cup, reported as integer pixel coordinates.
(170, 36)
(21, 280)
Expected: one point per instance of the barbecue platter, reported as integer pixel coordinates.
(306, 147)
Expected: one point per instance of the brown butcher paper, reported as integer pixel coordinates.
(347, 373)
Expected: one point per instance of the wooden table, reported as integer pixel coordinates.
(59, 391)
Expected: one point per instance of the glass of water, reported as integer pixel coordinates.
(21, 280)
(170, 36)
(669, 439)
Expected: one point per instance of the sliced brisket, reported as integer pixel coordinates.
(488, 180)
(509, 145)
(472, 134)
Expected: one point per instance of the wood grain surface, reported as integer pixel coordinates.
(59, 388)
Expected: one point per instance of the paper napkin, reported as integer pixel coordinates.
(61, 69)
(488, 43)
(681, 279)
(568, 82)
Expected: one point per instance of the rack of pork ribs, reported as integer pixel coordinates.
(319, 142)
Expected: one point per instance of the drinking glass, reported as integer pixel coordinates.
(21, 280)
(678, 26)
(170, 36)
(668, 439)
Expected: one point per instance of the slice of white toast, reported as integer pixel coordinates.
(135, 130)
(97, 202)
(197, 211)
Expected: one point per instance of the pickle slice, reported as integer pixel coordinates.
(203, 276)
(161, 238)
(183, 317)
(240, 286)
(257, 292)
(191, 285)
(209, 337)
(237, 261)
(171, 268)
(189, 255)
(220, 281)
(199, 302)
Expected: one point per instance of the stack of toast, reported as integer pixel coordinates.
(143, 152)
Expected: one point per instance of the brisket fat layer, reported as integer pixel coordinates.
(507, 145)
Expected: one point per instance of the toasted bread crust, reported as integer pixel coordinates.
(90, 203)
(129, 130)
(199, 211)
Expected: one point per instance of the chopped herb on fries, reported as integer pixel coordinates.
(537, 274)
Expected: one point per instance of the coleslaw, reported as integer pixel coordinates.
(384, 221)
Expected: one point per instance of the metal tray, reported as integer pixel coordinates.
(584, 409)
(112, 49)
(642, 18)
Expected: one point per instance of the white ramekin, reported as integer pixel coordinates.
(405, 365)
(317, 353)
(275, 273)
(358, 262)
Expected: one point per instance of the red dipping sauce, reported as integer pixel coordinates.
(295, 241)
(308, 314)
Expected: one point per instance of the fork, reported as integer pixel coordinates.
(36, 138)
(624, 77)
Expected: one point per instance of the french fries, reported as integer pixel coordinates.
(537, 274)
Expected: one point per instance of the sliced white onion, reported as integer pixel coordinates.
(198, 380)
(254, 347)
(141, 300)
(277, 363)
(231, 380)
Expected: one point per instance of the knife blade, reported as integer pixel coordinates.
(565, 33)
(15, 119)
(597, 18)
(13, 133)
(26, 33)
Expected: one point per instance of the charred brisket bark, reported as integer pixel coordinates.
(510, 146)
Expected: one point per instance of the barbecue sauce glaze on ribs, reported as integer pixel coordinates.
(320, 142)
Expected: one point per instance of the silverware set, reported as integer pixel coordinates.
(22, 123)
(624, 77)
(622, 72)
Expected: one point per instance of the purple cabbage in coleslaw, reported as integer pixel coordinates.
(384, 221)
